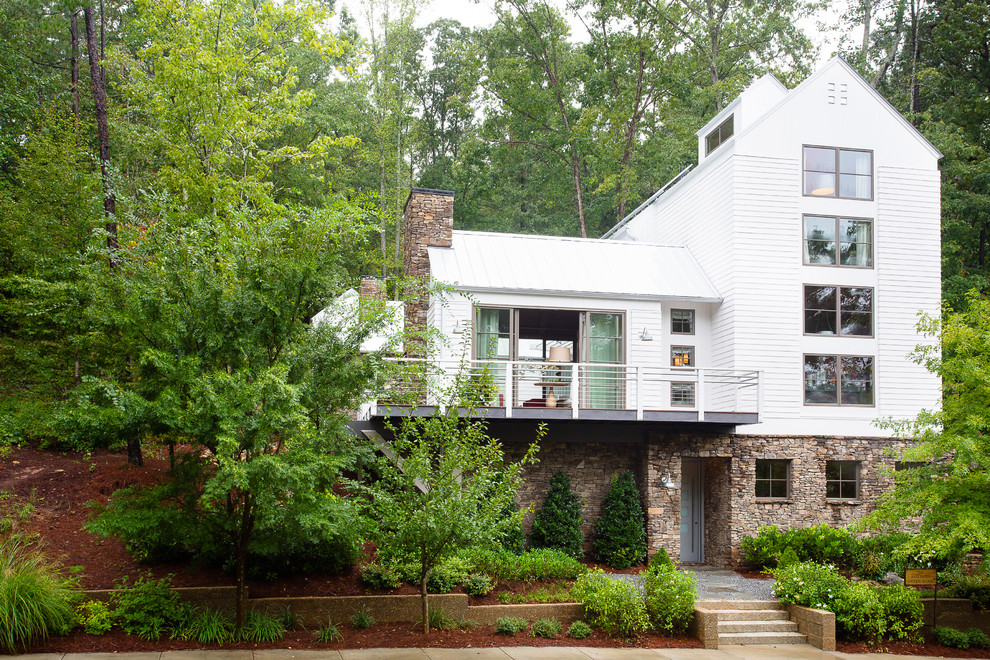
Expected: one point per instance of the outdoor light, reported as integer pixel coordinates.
(667, 481)
(645, 335)
(458, 328)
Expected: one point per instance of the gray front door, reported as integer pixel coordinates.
(692, 511)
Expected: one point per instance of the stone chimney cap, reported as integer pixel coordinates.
(428, 191)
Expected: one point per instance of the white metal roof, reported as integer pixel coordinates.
(484, 261)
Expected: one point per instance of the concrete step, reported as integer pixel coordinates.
(752, 615)
(740, 604)
(761, 638)
(756, 627)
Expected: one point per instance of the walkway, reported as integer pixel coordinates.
(788, 652)
(721, 584)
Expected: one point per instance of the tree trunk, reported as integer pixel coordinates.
(576, 170)
(103, 135)
(134, 455)
(74, 62)
(867, 19)
(247, 525)
(425, 602)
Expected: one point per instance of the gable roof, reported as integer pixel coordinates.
(557, 265)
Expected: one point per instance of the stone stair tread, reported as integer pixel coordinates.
(743, 605)
(756, 626)
(761, 638)
(752, 615)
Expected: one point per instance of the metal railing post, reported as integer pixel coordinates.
(508, 389)
(759, 396)
(700, 396)
(575, 390)
(639, 393)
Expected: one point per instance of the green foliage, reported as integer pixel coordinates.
(879, 554)
(670, 596)
(535, 565)
(787, 557)
(329, 633)
(35, 599)
(579, 630)
(620, 533)
(510, 625)
(947, 484)
(148, 608)
(818, 543)
(449, 494)
(761, 550)
(209, 626)
(290, 620)
(94, 616)
(555, 593)
(903, 612)
(378, 576)
(260, 627)
(951, 637)
(978, 639)
(660, 561)
(440, 581)
(441, 620)
(558, 521)
(616, 606)
(859, 615)
(807, 584)
(975, 587)
(478, 584)
(546, 628)
(362, 618)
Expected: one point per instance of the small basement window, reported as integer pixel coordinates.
(722, 133)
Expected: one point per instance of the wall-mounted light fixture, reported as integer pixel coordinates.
(645, 335)
(458, 328)
(667, 481)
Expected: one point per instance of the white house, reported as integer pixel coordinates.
(732, 340)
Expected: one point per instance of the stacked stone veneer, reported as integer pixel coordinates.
(429, 222)
(729, 463)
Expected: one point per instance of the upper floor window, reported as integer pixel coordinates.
(834, 172)
(835, 310)
(682, 356)
(845, 380)
(714, 139)
(682, 321)
(837, 241)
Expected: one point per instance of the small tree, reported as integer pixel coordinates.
(620, 533)
(448, 489)
(558, 522)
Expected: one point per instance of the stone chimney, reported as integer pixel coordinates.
(371, 288)
(429, 222)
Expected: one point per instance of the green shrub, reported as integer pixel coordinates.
(660, 561)
(439, 581)
(290, 620)
(761, 551)
(440, 619)
(329, 633)
(670, 596)
(514, 537)
(788, 557)
(903, 612)
(262, 628)
(616, 606)
(823, 544)
(859, 613)
(878, 555)
(377, 576)
(478, 584)
(951, 637)
(620, 533)
(510, 625)
(535, 565)
(362, 618)
(94, 617)
(807, 584)
(210, 626)
(579, 630)
(974, 587)
(978, 639)
(147, 608)
(558, 522)
(547, 628)
(35, 599)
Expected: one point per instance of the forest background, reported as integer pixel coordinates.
(120, 117)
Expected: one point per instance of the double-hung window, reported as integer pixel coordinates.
(838, 241)
(835, 172)
(838, 310)
(845, 380)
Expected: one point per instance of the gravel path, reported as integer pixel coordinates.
(720, 584)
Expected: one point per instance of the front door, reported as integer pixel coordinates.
(692, 511)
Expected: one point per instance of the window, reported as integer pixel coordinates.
(845, 380)
(715, 139)
(773, 478)
(852, 169)
(493, 337)
(832, 241)
(833, 310)
(682, 356)
(682, 395)
(682, 321)
(842, 480)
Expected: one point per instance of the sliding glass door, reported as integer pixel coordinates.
(603, 338)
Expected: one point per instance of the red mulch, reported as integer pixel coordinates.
(61, 485)
(929, 647)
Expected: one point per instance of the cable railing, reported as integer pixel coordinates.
(514, 385)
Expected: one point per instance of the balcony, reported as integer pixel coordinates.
(528, 390)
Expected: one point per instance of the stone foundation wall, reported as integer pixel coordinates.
(590, 466)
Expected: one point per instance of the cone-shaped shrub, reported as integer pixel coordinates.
(620, 533)
(558, 522)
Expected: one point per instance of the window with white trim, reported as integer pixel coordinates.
(838, 380)
(838, 310)
(836, 172)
